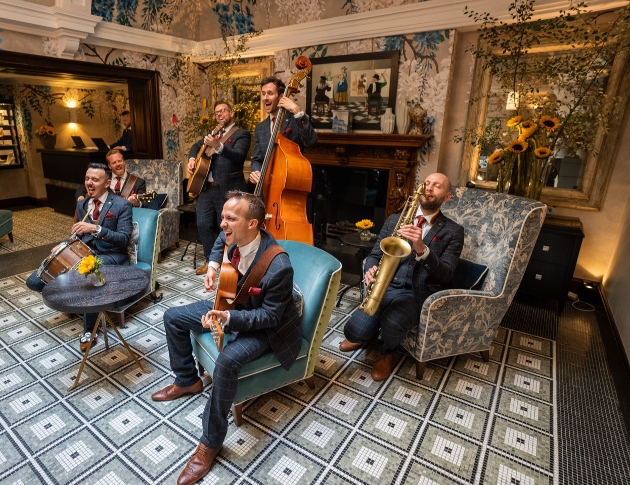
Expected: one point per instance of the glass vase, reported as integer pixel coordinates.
(365, 235)
(529, 176)
(97, 279)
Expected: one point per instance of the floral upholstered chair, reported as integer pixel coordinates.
(163, 177)
(500, 232)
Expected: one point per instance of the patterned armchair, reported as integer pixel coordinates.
(165, 177)
(500, 232)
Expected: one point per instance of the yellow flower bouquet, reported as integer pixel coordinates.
(90, 265)
(47, 135)
(364, 226)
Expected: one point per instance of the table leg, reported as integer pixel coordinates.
(131, 352)
(87, 351)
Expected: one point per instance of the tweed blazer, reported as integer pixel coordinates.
(273, 310)
(299, 131)
(116, 226)
(227, 167)
(139, 187)
(445, 241)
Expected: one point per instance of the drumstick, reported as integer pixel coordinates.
(82, 220)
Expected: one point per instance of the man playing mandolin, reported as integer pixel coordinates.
(296, 126)
(267, 319)
(104, 225)
(124, 184)
(227, 147)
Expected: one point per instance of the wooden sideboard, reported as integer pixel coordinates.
(396, 153)
(553, 260)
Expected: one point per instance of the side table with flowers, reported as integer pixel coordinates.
(90, 266)
(47, 135)
(364, 227)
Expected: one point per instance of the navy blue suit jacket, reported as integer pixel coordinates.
(124, 141)
(445, 240)
(227, 167)
(139, 187)
(274, 310)
(299, 131)
(116, 226)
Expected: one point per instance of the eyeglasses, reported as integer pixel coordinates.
(219, 111)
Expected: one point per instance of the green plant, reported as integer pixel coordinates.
(554, 67)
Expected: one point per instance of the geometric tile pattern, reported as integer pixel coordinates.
(467, 421)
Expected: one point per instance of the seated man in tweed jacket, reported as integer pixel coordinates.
(436, 243)
(268, 319)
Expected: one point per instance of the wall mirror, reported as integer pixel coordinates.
(578, 179)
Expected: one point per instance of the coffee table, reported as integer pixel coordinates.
(74, 293)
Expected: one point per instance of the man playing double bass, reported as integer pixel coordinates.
(296, 126)
(231, 145)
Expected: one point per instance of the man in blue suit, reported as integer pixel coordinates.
(268, 319)
(124, 142)
(436, 243)
(230, 145)
(106, 231)
(296, 125)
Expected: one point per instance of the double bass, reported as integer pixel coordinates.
(286, 176)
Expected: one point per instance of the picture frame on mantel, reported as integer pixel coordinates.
(348, 83)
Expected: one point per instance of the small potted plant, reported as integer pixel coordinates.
(47, 135)
(90, 266)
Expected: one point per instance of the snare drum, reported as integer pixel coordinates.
(65, 258)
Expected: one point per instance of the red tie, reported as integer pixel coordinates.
(273, 121)
(236, 258)
(117, 186)
(97, 211)
(421, 221)
(221, 133)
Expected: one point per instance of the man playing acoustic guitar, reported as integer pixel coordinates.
(268, 319)
(228, 149)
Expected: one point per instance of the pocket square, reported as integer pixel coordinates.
(109, 215)
(435, 239)
(287, 132)
(253, 291)
(229, 142)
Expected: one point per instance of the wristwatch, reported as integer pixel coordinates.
(422, 255)
(97, 231)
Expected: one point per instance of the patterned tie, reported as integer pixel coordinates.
(421, 221)
(236, 258)
(97, 212)
(221, 133)
(117, 186)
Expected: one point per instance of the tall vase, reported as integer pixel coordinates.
(402, 118)
(388, 121)
(49, 141)
(529, 175)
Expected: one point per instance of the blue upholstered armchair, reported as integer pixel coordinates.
(500, 232)
(317, 274)
(165, 177)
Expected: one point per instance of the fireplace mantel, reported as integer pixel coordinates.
(396, 153)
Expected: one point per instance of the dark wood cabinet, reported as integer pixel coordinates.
(553, 261)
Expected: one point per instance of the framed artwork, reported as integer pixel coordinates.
(364, 84)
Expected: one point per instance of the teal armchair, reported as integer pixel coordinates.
(318, 275)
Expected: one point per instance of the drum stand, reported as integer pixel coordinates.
(102, 319)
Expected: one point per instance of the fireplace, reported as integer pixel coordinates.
(358, 176)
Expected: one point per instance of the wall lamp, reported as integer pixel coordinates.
(73, 115)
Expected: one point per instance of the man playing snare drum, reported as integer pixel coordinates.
(106, 231)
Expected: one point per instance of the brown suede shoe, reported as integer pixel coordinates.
(199, 465)
(203, 269)
(172, 392)
(382, 367)
(347, 346)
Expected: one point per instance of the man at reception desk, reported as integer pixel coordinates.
(124, 142)
(124, 183)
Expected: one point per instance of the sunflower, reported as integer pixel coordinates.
(204, 120)
(517, 146)
(50, 130)
(512, 122)
(542, 152)
(549, 122)
(87, 264)
(496, 157)
(364, 224)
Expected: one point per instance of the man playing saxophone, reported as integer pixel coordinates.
(436, 242)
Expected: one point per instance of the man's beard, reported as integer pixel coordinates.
(431, 205)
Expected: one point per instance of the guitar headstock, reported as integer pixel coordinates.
(148, 197)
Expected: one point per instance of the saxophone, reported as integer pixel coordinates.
(394, 249)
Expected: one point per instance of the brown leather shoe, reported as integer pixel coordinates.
(203, 269)
(199, 465)
(347, 346)
(172, 392)
(382, 367)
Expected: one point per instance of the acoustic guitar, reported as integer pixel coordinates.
(202, 167)
(224, 300)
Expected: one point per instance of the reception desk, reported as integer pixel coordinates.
(64, 170)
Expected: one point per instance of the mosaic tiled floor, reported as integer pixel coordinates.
(36, 227)
(466, 422)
